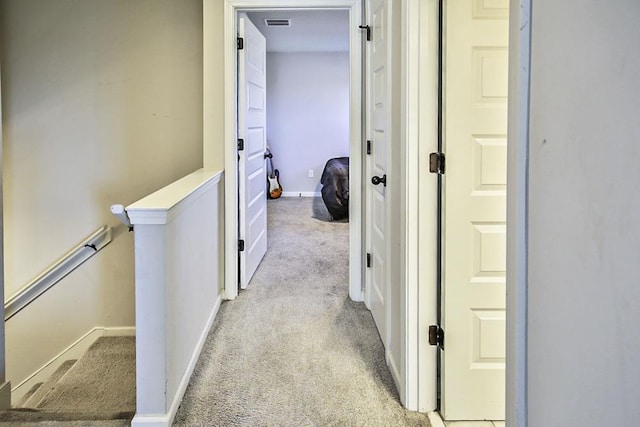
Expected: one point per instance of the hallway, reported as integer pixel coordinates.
(293, 349)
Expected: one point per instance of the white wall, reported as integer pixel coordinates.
(102, 103)
(307, 114)
(584, 233)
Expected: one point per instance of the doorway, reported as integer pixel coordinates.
(231, 169)
(307, 85)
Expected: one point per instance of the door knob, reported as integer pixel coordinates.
(377, 180)
(268, 155)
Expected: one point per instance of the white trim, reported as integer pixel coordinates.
(427, 303)
(419, 118)
(410, 107)
(74, 351)
(164, 205)
(517, 211)
(159, 420)
(165, 420)
(419, 112)
(122, 331)
(395, 372)
(301, 194)
(435, 419)
(230, 160)
(231, 7)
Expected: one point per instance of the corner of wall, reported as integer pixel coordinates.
(5, 396)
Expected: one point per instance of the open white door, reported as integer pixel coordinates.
(252, 138)
(475, 138)
(378, 78)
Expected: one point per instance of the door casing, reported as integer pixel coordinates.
(231, 8)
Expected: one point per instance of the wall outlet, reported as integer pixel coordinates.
(310, 173)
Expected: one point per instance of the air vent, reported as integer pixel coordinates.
(277, 22)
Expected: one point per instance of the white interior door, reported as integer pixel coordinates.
(378, 71)
(475, 137)
(251, 165)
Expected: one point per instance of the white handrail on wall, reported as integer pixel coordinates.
(57, 271)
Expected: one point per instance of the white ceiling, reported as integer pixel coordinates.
(310, 30)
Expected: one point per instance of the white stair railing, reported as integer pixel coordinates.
(178, 243)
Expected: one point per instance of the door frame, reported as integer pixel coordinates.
(417, 83)
(231, 9)
(517, 210)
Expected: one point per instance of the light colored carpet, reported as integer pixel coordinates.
(293, 349)
(21, 418)
(44, 389)
(97, 390)
(103, 380)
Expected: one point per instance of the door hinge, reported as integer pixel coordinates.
(240, 144)
(240, 245)
(436, 163)
(436, 336)
(240, 43)
(368, 29)
(368, 147)
(368, 260)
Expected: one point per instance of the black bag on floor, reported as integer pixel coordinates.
(335, 187)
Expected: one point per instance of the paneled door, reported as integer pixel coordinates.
(378, 107)
(252, 138)
(475, 138)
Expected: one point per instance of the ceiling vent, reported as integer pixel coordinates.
(277, 22)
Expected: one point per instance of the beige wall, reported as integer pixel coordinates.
(102, 104)
(213, 15)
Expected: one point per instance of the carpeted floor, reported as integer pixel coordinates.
(293, 349)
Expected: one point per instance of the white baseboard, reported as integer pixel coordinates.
(435, 419)
(301, 194)
(395, 373)
(165, 420)
(74, 351)
(121, 331)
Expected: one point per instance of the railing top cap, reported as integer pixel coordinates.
(154, 208)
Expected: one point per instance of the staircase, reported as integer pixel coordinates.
(99, 389)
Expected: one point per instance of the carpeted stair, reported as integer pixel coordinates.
(98, 390)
